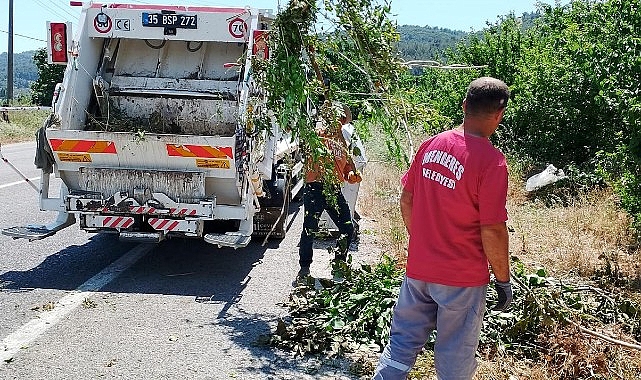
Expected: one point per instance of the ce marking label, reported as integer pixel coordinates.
(123, 24)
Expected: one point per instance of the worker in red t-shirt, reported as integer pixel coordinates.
(453, 206)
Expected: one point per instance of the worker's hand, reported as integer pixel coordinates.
(354, 177)
(504, 290)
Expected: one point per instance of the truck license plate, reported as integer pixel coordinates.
(170, 20)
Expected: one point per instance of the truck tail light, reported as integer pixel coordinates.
(57, 44)
(260, 47)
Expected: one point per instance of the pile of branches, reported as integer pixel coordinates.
(355, 315)
(542, 301)
(341, 317)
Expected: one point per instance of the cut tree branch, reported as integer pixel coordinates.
(607, 338)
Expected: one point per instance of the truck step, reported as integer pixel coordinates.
(30, 232)
(38, 231)
(229, 239)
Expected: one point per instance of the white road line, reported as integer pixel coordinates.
(37, 326)
(18, 182)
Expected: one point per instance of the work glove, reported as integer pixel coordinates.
(504, 290)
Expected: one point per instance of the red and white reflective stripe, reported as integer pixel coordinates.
(163, 224)
(182, 211)
(142, 210)
(117, 222)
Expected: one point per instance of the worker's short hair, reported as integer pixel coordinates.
(486, 95)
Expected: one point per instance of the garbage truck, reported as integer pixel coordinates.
(151, 132)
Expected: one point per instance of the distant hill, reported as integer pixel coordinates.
(425, 42)
(24, 72)
(429, 43)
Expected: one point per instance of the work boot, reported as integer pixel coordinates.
(302, 276)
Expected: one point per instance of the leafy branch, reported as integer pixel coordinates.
(355, 315)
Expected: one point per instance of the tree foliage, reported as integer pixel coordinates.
(356, 63)
(575, 76)
(48, 75)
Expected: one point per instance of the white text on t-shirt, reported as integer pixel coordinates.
(445, 159)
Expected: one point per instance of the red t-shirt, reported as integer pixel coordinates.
(458, 183)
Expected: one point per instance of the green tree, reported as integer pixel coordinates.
(48, 75)
(575, 76)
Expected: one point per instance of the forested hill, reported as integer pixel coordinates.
(429, 43)
(24, 71)
(425, 42)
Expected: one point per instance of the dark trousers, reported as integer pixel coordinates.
(315, 203)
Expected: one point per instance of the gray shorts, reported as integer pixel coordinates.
(457, 316)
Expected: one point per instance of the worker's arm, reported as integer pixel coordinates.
(496, 244)
(407, 199)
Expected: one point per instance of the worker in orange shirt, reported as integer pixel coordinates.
(322, 192)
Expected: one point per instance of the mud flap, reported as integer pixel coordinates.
(265, 219)
(38, 232)
(271, 220)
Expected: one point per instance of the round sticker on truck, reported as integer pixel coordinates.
(102, 23)
(237, 27)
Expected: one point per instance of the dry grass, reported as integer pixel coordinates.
(580, 239)
(378, 200)
(569, 355)
(22, 125)
(572, 358)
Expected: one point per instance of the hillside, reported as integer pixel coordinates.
(24, 71)
(429, 43)
(426, 43)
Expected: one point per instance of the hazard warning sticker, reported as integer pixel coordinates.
(212, 164)
(74, 157)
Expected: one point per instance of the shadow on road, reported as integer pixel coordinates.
(69, 268)
(274, 363)
(185, 267)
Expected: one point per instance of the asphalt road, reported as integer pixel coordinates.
(83, 306)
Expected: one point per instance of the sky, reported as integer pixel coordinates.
(30, 16)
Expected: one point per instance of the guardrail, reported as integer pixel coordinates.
(4, 111)
(34, 108)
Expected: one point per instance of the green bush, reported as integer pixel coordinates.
(575, 77)
(48, 75)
